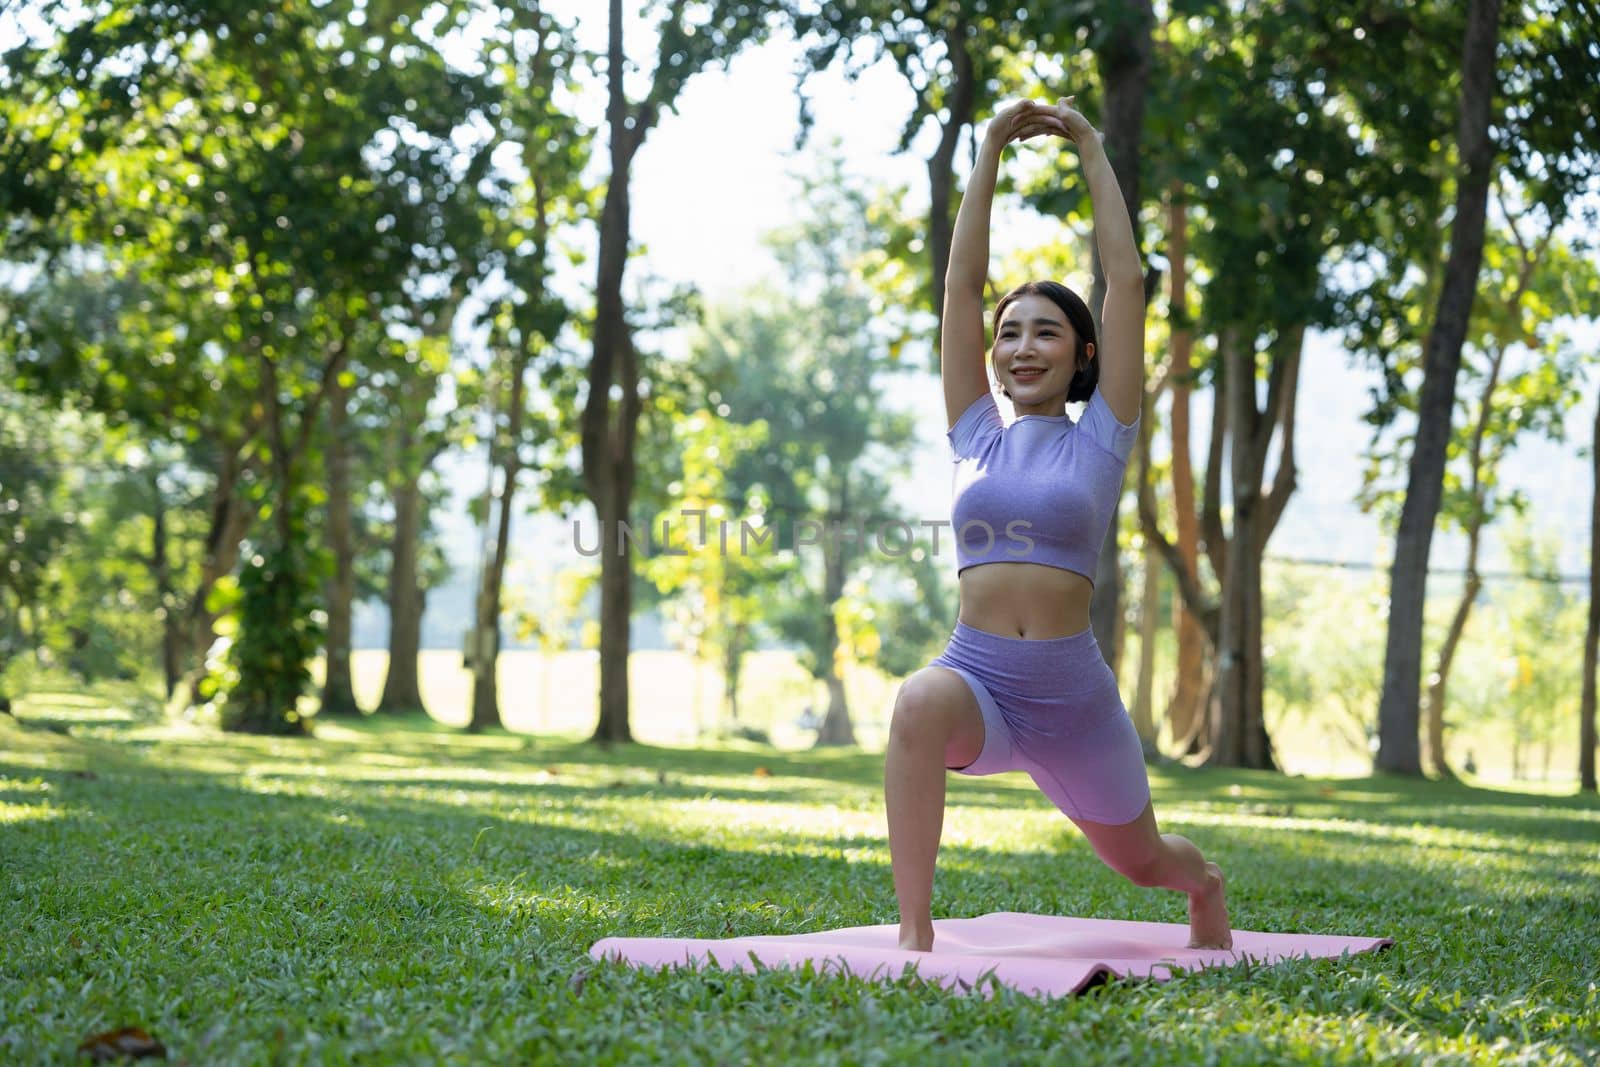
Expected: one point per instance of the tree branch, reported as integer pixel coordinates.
(1211, 507)
(1194, 597)
(1284, 481)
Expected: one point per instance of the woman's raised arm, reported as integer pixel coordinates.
(961, 345)
(1122, 318)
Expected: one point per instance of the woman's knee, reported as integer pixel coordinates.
(1146, 870)
(929, 709)
(1136, 851)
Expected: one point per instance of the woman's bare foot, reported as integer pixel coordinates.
(1208, 913)
(916, 938)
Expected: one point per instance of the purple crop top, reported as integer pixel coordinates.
(1040, 490)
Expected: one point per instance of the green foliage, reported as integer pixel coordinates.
(713, 576)
(264, 674)
(35, 521)
(78, 592)
(225, 206)
(810, 362)
(1322, 648)
(1519, 375)
(921, 39)
(1513, 688)
(459, 884)
(1538, 631)
(913, 605)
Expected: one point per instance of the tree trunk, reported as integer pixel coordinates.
(1237, 719)
(836, 727)
(732, 668)
(486, 631)
(338, 694)
(616, 606)
(1439, 681)
(1591, 640)
(402, 690)
(941, 165)
(609, 430)
(161, 566)
(230, 521)
(1188, 690)
(1149, 602)
(1398, 749)
(1235, 696)
(485, 691)
(1124, 62)
(1149, 606)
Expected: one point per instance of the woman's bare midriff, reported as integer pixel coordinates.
(1025, 600)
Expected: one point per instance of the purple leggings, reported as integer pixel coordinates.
(1051, 708)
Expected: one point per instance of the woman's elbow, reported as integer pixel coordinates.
(1127, 277)
(964, 282)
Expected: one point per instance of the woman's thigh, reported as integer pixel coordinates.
(938, 699)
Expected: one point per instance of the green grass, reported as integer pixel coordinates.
(395, 892)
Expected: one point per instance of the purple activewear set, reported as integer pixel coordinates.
(1041, 490)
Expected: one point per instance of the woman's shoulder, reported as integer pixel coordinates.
(1103, 427)
(977, 425)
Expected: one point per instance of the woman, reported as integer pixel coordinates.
(1022, 684)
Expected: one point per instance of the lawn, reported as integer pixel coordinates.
(394, 891)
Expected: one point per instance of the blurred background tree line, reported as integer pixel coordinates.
(242, 246)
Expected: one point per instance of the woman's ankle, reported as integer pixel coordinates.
(916, 936)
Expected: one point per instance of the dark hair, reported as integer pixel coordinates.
(1087, 378)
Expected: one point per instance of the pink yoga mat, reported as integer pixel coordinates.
(1044, 955)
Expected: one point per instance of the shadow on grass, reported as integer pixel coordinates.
(1345, 853)
(307, 867)
(290, 875)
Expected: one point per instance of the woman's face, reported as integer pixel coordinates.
(1034, 348)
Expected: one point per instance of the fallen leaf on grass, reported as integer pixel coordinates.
(762, 772)
(115, 1044)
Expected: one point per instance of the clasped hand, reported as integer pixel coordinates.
(1032, 118)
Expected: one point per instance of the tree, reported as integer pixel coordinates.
(714, 576)
(528, 320)
(1274, 181)
(1533, 59)
(409, 449)
(34, 528)
(811, 362)
(1526, 286)
(688, 42)
(1539, 627)
(955, 57)
(254, 274)
(1184, 714)
(1402, 668)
